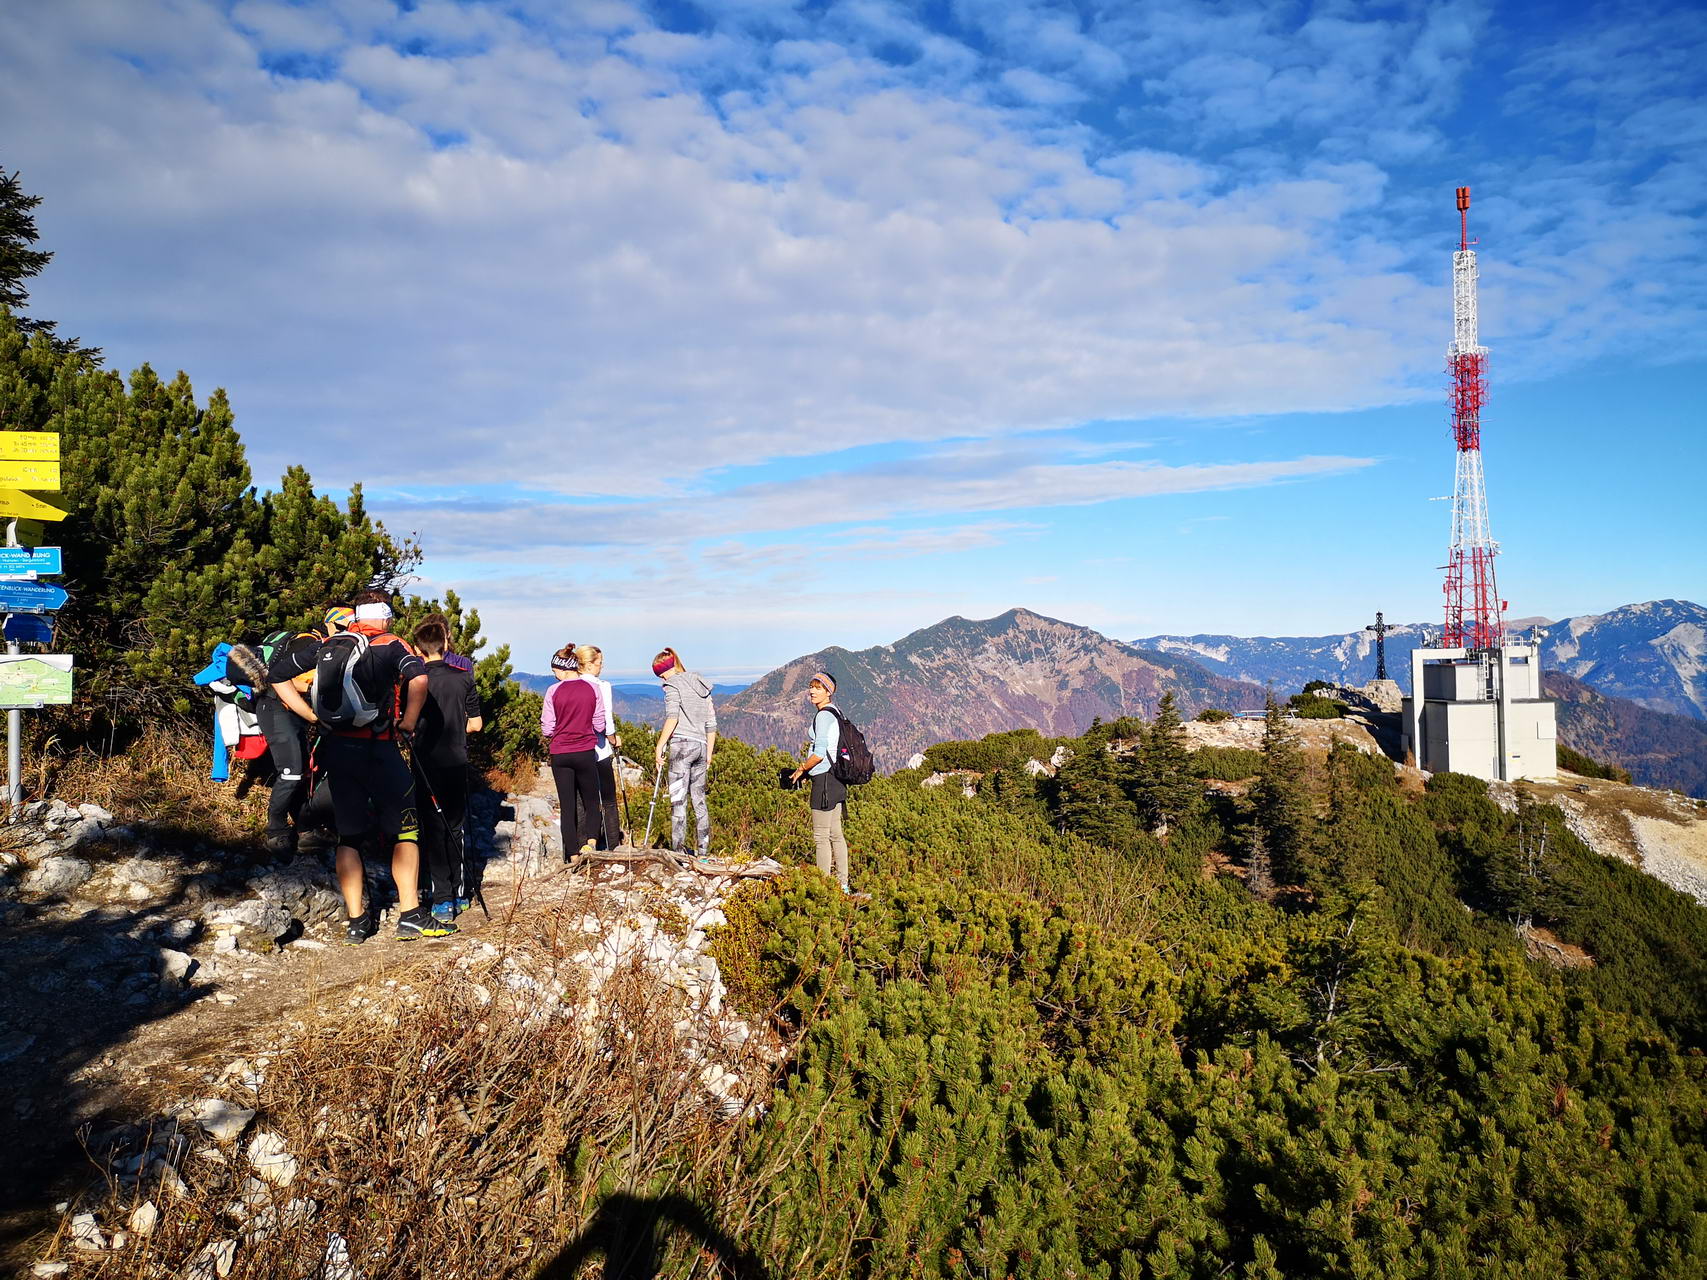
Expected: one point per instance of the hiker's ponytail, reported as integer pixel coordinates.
(564, 659)
(586, 655)
(666, 659)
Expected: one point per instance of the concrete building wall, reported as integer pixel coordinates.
(1456, 728)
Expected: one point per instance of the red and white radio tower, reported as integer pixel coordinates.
(1473, 607)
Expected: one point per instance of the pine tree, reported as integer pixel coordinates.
(168, 548)
(1165, 789)
(1089, 798)
(1280, 801)
(21, 261)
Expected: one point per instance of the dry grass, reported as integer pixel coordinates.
(465, 1123)
(161, 779)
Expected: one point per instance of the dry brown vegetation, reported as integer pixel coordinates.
(459, 1128)
(161, 779)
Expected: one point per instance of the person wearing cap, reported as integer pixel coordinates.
(829, 794)
(687, 738)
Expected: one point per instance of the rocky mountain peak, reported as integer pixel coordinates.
(964, 677)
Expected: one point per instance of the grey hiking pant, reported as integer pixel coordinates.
(688, 765)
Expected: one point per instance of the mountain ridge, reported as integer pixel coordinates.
(966, 677)
(1653, 653)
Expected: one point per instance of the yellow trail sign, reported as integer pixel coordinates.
(40, 445)
(30, 473)
(14, 503)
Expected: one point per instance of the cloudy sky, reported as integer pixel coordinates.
(756, 326)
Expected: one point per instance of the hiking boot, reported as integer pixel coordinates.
(463, 904)
(444, 912)
(419, 923)
(280, 844)
(358, 929)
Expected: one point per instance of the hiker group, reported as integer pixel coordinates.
(368, 733)
(578, 724)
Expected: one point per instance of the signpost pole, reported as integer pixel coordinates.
(14, 749)
(14, 718)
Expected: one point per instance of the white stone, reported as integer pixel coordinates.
(144, 1217)
(48, 1269)
(221, 1120)
(225, 943)
(270, 1159)
(337, 1264)
(175, 966)
(94, 813)
(57, 875)
(308, 944)
(86, 1234)
(211, 1261)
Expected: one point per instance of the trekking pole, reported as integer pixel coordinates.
(652, 808)
(621, 790)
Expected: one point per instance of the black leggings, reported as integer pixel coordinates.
(443, 878)
(609, 826)
(577, 776)
(287, 739)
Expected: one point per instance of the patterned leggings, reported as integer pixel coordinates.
(688, 765)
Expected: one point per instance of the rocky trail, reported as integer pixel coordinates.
(139, 979)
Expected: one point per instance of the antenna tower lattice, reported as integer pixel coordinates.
(1473, 607)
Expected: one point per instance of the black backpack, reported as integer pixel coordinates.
(339, 701)
(853, 764)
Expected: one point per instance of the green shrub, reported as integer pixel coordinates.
(1227, 764)
(1213, 715)
(1311, 707)
(1585, 767)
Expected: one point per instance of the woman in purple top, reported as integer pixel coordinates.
(572, 720)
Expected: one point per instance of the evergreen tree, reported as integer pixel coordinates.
(1089, 798)
(1280, 800)
(1165, 788)
(168, 548)
(21, 261)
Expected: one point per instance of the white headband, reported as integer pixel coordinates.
(373, 612)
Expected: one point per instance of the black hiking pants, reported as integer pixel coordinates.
(577, 776)
(608, 823)
(287, 741)
(444, 875)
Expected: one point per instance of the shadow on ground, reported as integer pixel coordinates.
(629, 1233)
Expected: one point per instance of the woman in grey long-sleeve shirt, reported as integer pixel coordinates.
(687, 738)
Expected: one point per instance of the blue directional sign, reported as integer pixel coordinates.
(29, 628)
(42, 560)
(30, 597)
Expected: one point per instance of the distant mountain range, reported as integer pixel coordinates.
(1659, 749)
(963, 678)
(641, 703)
(1653, 654)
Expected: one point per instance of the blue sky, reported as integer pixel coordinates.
(758, 326)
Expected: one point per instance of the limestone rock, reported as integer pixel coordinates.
(175, 966)
(86, 1234)
(221, 1120)
(144, 1217)
(58, 875)
(271, 1161)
